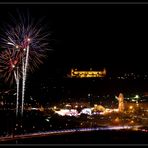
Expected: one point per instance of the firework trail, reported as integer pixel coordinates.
(24, 68)
(17, 92)
(16, 74)
(23, 85)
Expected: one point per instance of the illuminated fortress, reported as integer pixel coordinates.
(87, 74)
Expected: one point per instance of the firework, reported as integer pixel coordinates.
(27, 42)
(25, 31)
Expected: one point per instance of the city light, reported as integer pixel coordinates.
(131, 107)
(137, 97)
(54, 107)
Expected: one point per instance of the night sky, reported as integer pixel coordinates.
(84, 36)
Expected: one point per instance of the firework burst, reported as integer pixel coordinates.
(24, 32)
(25, 43)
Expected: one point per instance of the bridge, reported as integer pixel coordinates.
(65, 131)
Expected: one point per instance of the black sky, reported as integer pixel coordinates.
(112, 36)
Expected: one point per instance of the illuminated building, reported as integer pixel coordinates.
(99, 108)
(87, 111)
(67, 112)
(87, 74)
(121, 102)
